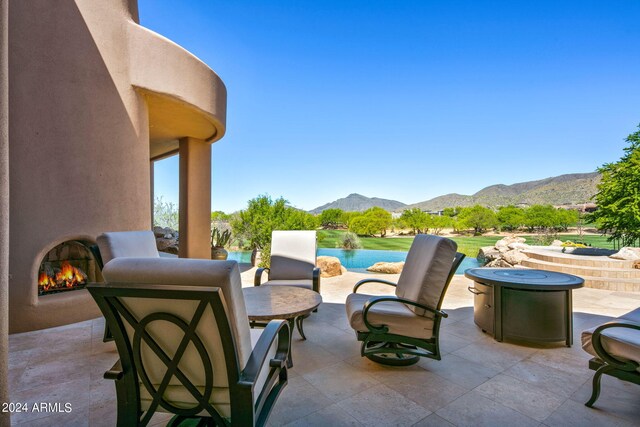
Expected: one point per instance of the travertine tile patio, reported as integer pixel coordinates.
(478, 381)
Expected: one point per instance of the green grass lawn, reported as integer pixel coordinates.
(468, 245)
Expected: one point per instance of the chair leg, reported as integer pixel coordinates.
(596, 384)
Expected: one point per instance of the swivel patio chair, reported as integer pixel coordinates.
(616, 350)
(185, 346)
(398, 330)
(293, 261)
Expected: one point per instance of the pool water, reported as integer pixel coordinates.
(358, 260)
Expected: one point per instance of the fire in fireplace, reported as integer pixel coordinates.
(68, 266)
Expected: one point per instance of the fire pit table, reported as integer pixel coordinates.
(524, 304)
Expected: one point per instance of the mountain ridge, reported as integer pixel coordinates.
(566, 189)
(358, 202)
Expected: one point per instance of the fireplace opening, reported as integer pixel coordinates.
(67, 267)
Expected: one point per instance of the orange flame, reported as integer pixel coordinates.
(68, 277)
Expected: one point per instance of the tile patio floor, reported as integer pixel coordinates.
(477, 382)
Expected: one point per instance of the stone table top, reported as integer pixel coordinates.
(279, 302)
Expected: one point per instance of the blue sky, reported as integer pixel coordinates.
(407, 100)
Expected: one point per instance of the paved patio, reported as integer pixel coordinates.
(477, 382)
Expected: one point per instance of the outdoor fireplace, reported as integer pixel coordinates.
(68, 266)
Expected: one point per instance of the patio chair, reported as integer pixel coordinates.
(123, 244)
(293, 261)
(117, 244)
(185, 346)
(616, 350)
(398, 330)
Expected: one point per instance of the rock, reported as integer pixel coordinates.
(627, 253)
(387, 267)
(162, 243)
(171, 250)
(506, 241)
(329, 266)
(514, 257)
(158, 231)
(556, 243)
(499, 263)
(487, 254)
(168, 236)
(518, 245)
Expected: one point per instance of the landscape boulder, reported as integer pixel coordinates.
(387, 267)
(166, 239)
(627, 253)
(329, 266)
(556, 243)
(514, 257)
(487, 254)
(499, 263)
(506, 253)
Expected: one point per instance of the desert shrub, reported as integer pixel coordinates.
(350, 240)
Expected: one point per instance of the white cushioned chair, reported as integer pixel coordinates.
(616, 350)
(185, 346)
(397, 330)
(293, 260)
(117, 244)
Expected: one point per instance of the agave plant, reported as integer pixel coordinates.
(220, 238)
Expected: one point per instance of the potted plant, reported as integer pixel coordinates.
(219, 239)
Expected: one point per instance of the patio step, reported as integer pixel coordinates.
(575, 260)
(580, 270)
(594, 277)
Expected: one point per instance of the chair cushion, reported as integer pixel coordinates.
(293, 255)
(138, 244)
(177, 395)
(622, 343)
(394, 315)
(633, 316)
(192, 272)
(426, 271)
(301, 283)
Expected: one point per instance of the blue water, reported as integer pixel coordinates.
(358, 260)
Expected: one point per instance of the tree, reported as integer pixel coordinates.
(439, 223)
(372, 221)
(416, 219)
(618, 196)
(566, 218)
(478, 217)
(510, 217)
(165, 214)
(541, 217)
(332, 218)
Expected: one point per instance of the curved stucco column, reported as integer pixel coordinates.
(4, 210)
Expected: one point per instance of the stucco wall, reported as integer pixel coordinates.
(4, 212)
(83, 75)
(79, 153)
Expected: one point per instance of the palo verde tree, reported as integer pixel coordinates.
(618, 196)
(480, 218)
(372, 221)
(332, 218)
(416, 220)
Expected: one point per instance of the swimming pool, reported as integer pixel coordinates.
(358, 260)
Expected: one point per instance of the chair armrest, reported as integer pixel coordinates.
(275, 329)
(375, 300)
(316, 279)
(257, 280)
(115, 373)
(372, 280)
(596, 340)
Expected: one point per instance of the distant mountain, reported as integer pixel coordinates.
(358, 202)
(570, 189)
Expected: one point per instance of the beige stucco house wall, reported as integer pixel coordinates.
(93, 97)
